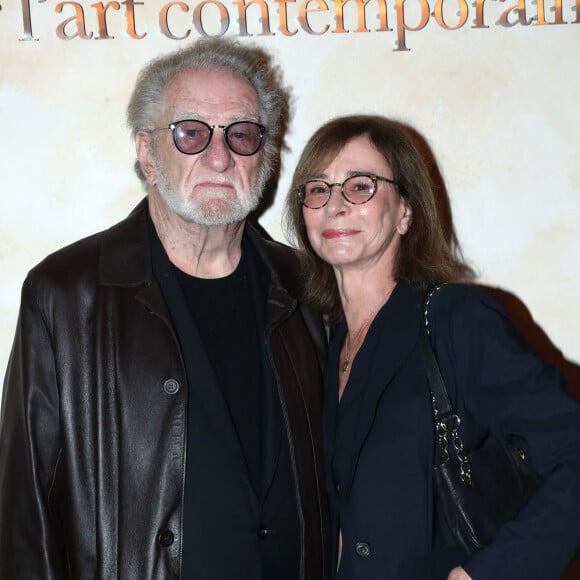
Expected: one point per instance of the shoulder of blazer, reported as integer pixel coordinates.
(453, 301)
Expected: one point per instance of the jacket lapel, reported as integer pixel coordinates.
(278, 305)
(389, 341)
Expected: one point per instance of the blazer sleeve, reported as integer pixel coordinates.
(521, 400)
(30, 543)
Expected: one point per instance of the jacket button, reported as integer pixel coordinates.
(263, 532)
(165, 538)
(363, 549)
(171, 386)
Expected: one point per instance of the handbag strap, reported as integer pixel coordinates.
(447, 421)
(436, 383)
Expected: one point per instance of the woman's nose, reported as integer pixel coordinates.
(336, 202)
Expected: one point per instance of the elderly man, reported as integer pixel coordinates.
(161, 405)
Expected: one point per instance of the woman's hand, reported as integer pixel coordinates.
(459, 574)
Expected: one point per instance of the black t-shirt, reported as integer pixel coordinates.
(225, 317)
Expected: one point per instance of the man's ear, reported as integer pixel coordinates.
(144, 155)
(406, 221)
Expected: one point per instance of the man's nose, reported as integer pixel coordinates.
(217, 155)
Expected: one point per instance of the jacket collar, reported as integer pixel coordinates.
(125, 252)
(126, 261)
(126, 258)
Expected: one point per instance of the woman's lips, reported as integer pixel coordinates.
(331, 234)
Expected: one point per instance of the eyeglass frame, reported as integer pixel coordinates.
(371, 176)
(174, 124)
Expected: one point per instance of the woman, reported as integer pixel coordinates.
(363, 214)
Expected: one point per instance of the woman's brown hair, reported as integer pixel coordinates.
(425, 256)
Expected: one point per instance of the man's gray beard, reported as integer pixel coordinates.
(192, 211)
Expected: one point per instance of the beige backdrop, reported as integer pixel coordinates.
(498, 107)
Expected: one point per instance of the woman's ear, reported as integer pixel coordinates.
(144, 155)
(405, 221)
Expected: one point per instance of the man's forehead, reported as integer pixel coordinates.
(212, 85)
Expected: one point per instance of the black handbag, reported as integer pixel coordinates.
(477, 490)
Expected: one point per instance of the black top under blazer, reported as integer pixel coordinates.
(380, 447)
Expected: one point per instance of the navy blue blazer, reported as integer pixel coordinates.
(380, 447)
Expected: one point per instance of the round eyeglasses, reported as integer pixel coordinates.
(357, 189)
(192, 136)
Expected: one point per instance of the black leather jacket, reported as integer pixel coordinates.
(92, 440)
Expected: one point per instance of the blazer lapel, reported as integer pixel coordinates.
(389, 341)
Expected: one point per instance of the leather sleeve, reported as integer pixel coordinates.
(30, 542)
